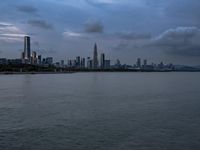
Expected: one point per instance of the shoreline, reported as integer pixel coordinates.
(32, 73)
(70, 72)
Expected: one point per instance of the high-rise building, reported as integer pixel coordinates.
(83, 63)
(74, 64)
(78, 61)
(62, 63)
(69, 64)
(49, 60)
(27, 48)
(39, 59)
(89, 63)
(22, 55)
(95, 57)
(34, 58)
(102, 61)
(138, 63)
(145, 63)
(107, 64)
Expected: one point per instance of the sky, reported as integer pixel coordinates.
(156, 30)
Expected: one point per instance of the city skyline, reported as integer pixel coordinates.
(154, 30)
(98, 61)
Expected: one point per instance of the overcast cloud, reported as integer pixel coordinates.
(157, 30)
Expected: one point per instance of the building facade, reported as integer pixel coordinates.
(102, 61)
(95, 57)
(27, 48)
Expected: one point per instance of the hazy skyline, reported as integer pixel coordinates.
(157, 30)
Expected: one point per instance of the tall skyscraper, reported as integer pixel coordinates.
(95, 57)
(27, 48)
(138, 63)
(102, 61)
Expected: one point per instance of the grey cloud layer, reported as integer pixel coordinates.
(125, 25)
(27, 9)
(40, 24)
(180, 41)
(94, 27)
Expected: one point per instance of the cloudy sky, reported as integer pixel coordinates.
(157, 30)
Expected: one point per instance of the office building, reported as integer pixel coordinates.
(39, 59)
(27, 48)
(34, 58)
(69, 63)
(3, 61)
(83, 63)
(107, 64)
(62, 63)
(78, 62)
(14, 61)
(89, 63)
(49, 60)
(145, 63)
(95, 57)
(138, 64)
(102, 59)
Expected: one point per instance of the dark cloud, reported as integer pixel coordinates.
(94, 27)
(40, 24)
(27, 9)
(180, 41)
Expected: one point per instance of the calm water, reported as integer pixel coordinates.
(100, 111)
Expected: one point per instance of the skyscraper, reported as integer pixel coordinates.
(145, 63)
(39, 59)
(62, 63)
(27, 48)
(34, 58)
(78, 62)
(89, 63)
(83, 63)
(138, 63)
(102, 61)
(95, 57)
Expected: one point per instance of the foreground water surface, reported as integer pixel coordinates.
(100, 111)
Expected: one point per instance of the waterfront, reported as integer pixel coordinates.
(100, 111)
